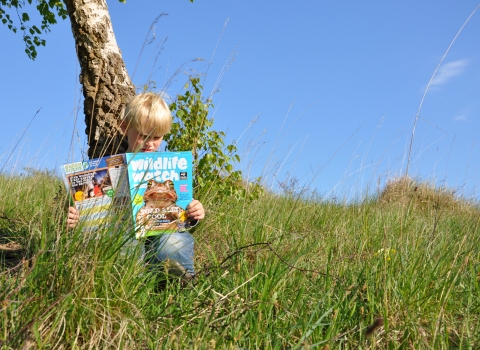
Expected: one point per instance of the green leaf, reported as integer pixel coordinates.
(25, 17)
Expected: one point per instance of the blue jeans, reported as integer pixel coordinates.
(172, 247)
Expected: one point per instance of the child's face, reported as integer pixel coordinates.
(138, 142)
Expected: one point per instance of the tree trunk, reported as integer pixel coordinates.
(106, 84)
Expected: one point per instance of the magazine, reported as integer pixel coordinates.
(160, 189)
(94, 185)
(157, 186)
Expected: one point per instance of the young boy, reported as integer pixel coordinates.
(146, 120)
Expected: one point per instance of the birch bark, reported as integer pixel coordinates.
(106, 84)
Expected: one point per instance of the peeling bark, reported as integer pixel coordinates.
(106, 84)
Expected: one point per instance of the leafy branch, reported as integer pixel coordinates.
(48, 10)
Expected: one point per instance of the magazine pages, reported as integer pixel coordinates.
(93, 186)
(161, 188)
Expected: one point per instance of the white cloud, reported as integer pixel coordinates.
(460, 118)
(448, 71)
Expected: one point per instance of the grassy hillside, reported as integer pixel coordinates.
(400, 271)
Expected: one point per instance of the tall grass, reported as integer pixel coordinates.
(278, 272)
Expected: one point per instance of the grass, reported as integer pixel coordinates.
(398, 271)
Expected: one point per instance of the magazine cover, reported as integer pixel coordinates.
(93, 185)
(161, 188)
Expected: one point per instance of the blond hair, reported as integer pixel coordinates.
(149, 114)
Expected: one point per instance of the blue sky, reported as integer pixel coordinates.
(321, 92)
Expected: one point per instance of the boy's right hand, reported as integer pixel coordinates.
(72, 217)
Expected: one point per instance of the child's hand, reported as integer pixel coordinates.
(195, 210)
(72, 217)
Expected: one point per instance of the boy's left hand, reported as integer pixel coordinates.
(195, 210)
